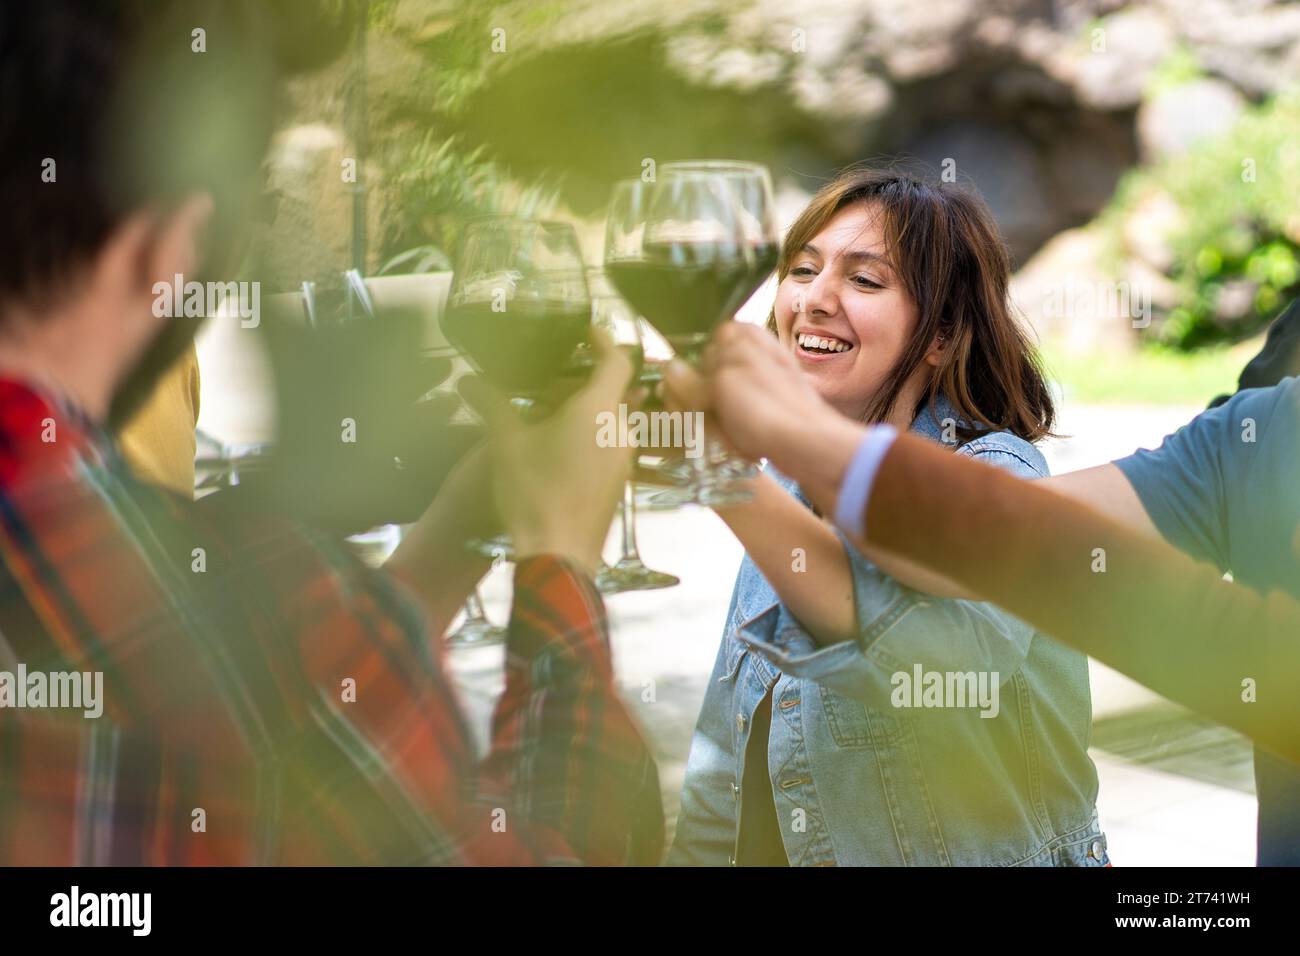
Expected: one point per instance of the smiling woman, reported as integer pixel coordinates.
(861, 304)
(892, 297)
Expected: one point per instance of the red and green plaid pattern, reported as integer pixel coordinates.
(225, 640)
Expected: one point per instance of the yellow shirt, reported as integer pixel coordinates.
(158, 443)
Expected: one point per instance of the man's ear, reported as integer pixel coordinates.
(153, 245)
(178, 239)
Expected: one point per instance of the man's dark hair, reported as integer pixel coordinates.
(108, 106)
(1278, 359)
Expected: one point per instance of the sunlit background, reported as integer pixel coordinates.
(1137, 157)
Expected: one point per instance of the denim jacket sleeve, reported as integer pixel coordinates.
(899, 627)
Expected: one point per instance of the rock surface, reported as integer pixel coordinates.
(1042, 106)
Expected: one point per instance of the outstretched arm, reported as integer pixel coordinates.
(1130, 600)
(800, 556)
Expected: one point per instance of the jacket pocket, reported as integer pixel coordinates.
(854, 725)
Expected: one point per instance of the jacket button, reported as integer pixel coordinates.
(1096, 850)
(735, 790)
(731, 861)
(740, 722)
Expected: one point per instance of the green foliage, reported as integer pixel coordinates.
(435, 182)
(417, 260)
(461, 54)
(1181, 66)
(1236, 250)
(440, 186)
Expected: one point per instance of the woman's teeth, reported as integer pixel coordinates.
(816, 343)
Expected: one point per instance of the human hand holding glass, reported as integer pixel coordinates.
(519, 310)
(686, 251)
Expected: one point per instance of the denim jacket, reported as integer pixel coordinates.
(860, 779)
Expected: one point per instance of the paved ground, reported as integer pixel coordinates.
(1174, 790)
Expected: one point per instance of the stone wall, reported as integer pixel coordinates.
(1043, 104)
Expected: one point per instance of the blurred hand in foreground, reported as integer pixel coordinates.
(555, 486)
(751, 387)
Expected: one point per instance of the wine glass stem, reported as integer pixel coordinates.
(700, 466)
(474, 607)
(627, 513)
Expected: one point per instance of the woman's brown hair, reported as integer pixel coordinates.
(946, 250)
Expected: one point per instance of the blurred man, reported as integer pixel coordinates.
(1278, 359)
(1092, 573)
(185, 683)
(1225, 489)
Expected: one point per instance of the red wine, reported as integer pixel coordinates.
(524, 349)
(687, 288)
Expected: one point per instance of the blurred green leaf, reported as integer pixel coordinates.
(1239, 210)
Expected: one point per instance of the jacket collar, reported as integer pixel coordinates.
(928, 423)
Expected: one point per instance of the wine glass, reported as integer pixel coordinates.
(686, 251)
(630, 573)
(625, 329)
(519, 308)
(476, 629)
(751, 185)
(519, 311)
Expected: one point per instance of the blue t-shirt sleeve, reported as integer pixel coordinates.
(1187, 484)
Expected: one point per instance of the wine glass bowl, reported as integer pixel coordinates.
(519, 308)
(676, 251)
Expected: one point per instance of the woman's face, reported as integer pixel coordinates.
(843, 312)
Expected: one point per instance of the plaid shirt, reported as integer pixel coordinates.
(269, 699)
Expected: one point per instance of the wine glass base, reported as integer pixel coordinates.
(498, 548)
(477, 634)
(669, 500)
(667, 472)
(709, 496)
(721, 496)
(737, 469)
(630, 574)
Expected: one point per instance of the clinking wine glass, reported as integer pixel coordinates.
(611, 314)
(751, 186)
(519, 308)
(519, 311)
(685, 252)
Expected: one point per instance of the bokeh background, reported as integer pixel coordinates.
(1140, 159)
